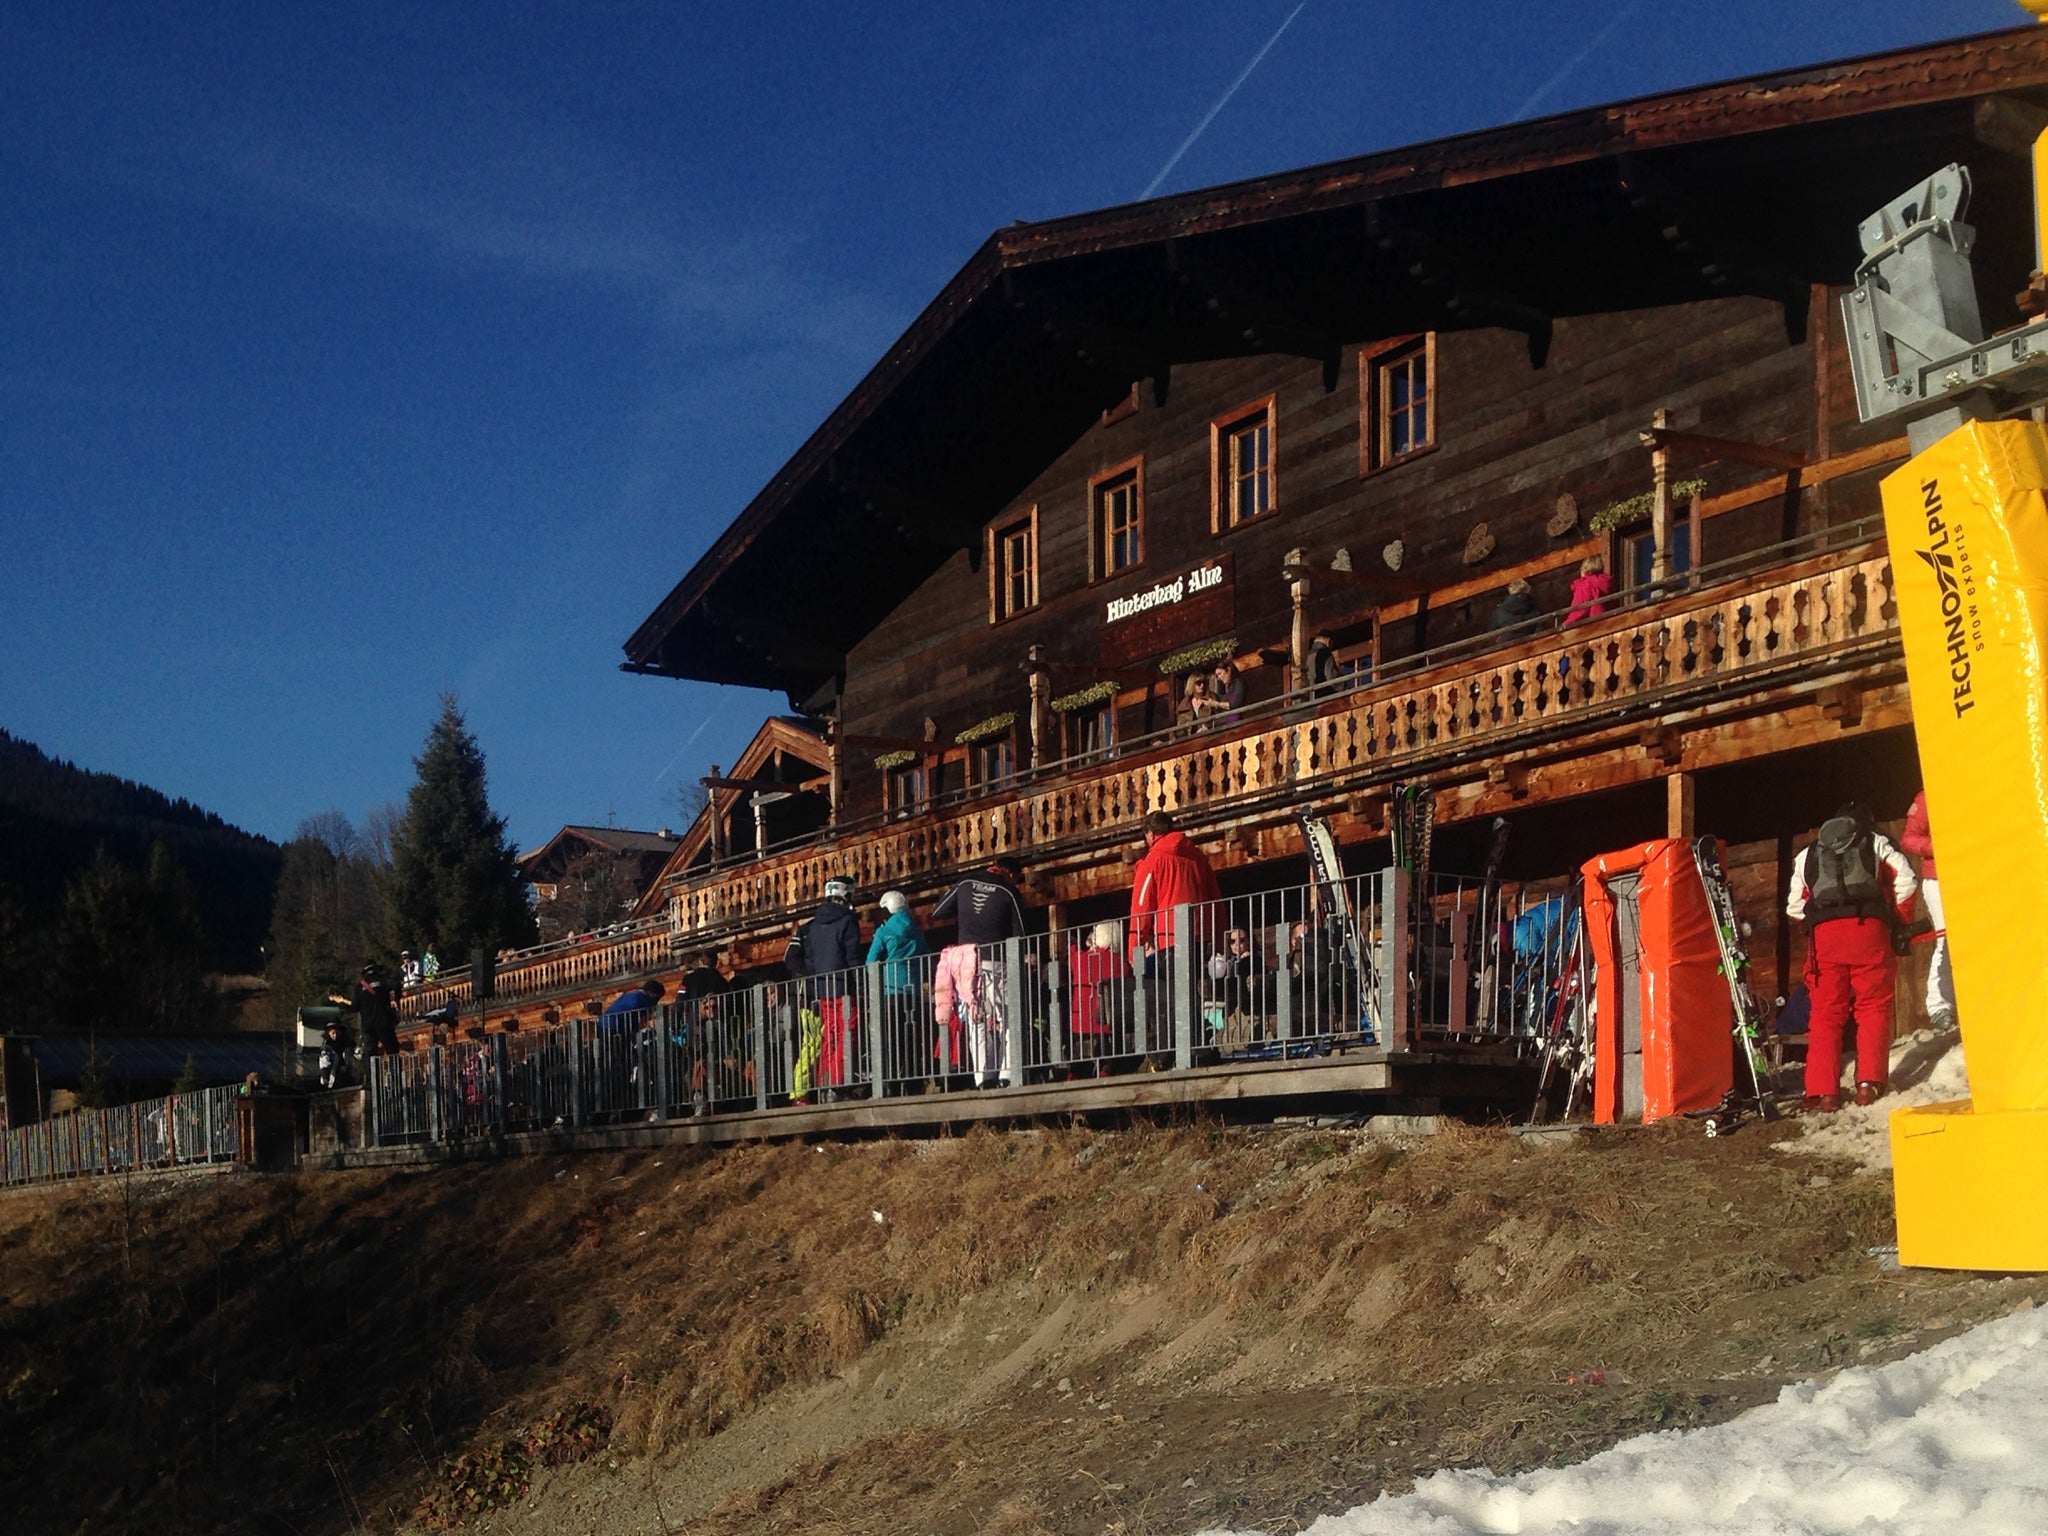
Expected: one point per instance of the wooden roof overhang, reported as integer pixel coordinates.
(1750, 187)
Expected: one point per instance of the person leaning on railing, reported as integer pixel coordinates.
(830, 950)
(896, 944)
(971, 988)
(1174, 872)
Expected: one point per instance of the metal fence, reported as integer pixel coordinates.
(174, 1131)
(1391, 959)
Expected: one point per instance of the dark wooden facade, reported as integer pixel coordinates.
(1510, 440)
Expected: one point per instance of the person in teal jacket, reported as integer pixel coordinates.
(897, 944)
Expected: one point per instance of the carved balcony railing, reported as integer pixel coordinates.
(1825, 615)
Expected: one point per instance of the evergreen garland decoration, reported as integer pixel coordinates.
(982, 730)
(1094, 694)
(1634, 509)
(1207, 654)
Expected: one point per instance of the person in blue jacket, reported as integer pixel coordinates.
(896, 944)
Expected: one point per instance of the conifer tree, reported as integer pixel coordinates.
(454, 885)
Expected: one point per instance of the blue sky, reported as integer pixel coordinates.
(350, 355)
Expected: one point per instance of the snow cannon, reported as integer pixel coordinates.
(1967, 521)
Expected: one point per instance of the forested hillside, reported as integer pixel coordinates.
(53, 816)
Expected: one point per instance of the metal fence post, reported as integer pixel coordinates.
(1055, 1008)
(873, 999)
(437, 1129)
(1283, 982)
(658, 1046)
(1141, 1009)
(1394, 941)
(1187, 1002)
(206, 1122)
(501, 1074)
(575, 1034)
(757, 1009)
(373, 1096)
(1013, 1009)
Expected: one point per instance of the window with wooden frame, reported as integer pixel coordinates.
(907, 788)
(1400, 404)
(1090, 730)
(1013, 567)
(1241, 466)
(995, 761)
(1117, 503)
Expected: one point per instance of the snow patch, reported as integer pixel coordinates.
(1926, 1068)
(1951, 1440)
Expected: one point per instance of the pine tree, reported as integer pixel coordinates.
(454, 885)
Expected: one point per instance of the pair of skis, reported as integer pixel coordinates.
(1326, 875)
(1749, 1010)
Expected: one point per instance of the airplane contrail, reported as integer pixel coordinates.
(1570, 66)
(1221, 102)
(689, 742)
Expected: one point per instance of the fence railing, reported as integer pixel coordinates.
(173, 1131)
(1391, 959)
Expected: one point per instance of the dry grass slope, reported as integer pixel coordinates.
(1062, 1331)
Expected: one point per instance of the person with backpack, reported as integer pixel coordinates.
(1851, 888)
(830, 948)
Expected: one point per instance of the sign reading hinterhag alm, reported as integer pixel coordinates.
(1148, 618)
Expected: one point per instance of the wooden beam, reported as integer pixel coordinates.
(1678, 805)
(1728, 449)
(710, 782)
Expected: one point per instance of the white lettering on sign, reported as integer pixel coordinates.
(1200, 579)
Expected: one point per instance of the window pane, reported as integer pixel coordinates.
(1121, 543)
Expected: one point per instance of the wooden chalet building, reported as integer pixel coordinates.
(1357, 400)
(585, 878)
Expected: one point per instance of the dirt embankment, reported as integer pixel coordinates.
(1069, 1331)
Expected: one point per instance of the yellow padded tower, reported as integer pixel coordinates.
(1967, 520)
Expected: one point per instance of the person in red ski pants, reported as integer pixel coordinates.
(1847, 886)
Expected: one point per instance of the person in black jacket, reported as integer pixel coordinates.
(986, 909)
(832, 952)
(1516, 609)
(371, 999)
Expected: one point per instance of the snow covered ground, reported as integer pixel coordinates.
(1926, 1068)
(1950, 1442)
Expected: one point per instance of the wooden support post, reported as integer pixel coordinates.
(1298, 636)
(1692, 539)
(1678, 805)
(1660, 505)
(717, 813)
(1041, 699)
(760, 827)
(836, 785)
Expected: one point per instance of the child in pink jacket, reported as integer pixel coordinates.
(1588, 588)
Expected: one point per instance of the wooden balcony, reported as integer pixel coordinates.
(1738, 643)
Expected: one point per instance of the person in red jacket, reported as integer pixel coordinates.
(1848, 887)
(1918, 840)
(1173, 873)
